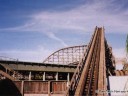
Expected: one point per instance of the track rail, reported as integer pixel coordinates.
(8, 72)
(6, 75)
(91, 70)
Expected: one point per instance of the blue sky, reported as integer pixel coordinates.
(30, 30)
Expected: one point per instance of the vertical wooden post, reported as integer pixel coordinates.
(49, 93)
(44, 76)
(57, 76)
(29, 75)
(22, 88)
(68, 79)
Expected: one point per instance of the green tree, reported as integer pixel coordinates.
(127, 46)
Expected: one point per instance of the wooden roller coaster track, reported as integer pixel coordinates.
(90, 75)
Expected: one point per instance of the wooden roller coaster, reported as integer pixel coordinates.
(97, 63)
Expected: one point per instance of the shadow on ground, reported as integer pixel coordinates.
(8, 88)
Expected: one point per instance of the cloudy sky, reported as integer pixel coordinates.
(30, 30)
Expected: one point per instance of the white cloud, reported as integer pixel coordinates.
(51, 35)
(119, 66)
(37, 55)
(119, 53)
(80, 19)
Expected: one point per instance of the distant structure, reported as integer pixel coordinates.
(69, 55)
(120, 60)
(125, 67)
